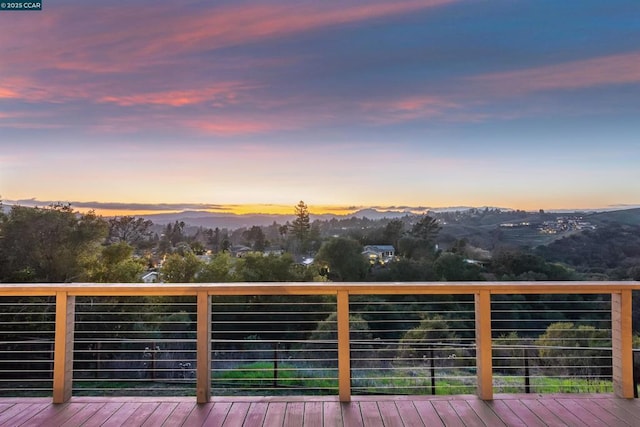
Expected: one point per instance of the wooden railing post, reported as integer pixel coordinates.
(622, 345)
(344, 347)
(483, 345)
(63, 354)
(203, 348)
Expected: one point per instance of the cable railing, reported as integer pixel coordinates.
(310, 338)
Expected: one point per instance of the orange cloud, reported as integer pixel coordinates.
(615, 69)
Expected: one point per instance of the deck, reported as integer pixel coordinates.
(461, 410)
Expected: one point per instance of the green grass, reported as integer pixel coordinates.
(258, 379)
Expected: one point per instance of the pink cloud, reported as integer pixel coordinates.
(615, 69)
(407, 108)
(219, 94)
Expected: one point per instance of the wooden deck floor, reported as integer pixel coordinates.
(410, 411)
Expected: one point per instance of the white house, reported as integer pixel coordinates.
(379, 253)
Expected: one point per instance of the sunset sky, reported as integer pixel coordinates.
(254, 105)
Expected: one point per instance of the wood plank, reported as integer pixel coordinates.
(26, 415)
(218, 414)
(199, 414)
(332, 414)
(530, 419)
(579, 411)
(505, 413)
(390, 414)
(601, 413)
(628, 410)
(561, 412)
(447, 414)
(313, 414)
(179, 414)
(103, 414)
(140, 415)
(511, 410)
(237, 414)
(275, 414)
(428, 413)
(371, 414)
(83, 414)
(67, 411)
(466, 413)
(294, 414)
(485, 413)
(351, 414)
(160, 414)
(257, 413)
(545, 415)
(120, 416)
(409, 414)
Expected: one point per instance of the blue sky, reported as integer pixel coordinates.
(252, 106)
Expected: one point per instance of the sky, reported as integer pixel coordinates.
(251, 106)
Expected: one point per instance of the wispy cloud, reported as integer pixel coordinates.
(607, 70)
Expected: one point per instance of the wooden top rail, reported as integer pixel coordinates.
(313, 288)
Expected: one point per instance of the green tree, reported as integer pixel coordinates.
(255, 267)
(129, 229)
(220, 269)
(571, 349)
(421, 240)
(115, 264)
(427, 339)
(322, 344)
(48, 244)
(452, 267)
(256, 238)
(427, 229)
(301, 226)
(181, 268)
(343, 260)
(392, 232)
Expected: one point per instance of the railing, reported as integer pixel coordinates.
(196, 363)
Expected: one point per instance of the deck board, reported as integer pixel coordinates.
(529, 418)
(428, 414)
(313, 414)
(256, 414)
(409, 414)
(599, 412)
(447, 414)
(365, 411)
(332, 414)
(275, 414)
(218, 414)
(371, 414)
(198, 414)
(179, 414)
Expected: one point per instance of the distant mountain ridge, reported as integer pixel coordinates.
(232, 221)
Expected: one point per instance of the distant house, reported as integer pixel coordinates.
(240, 251)
(379, 253)
(151, 277)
